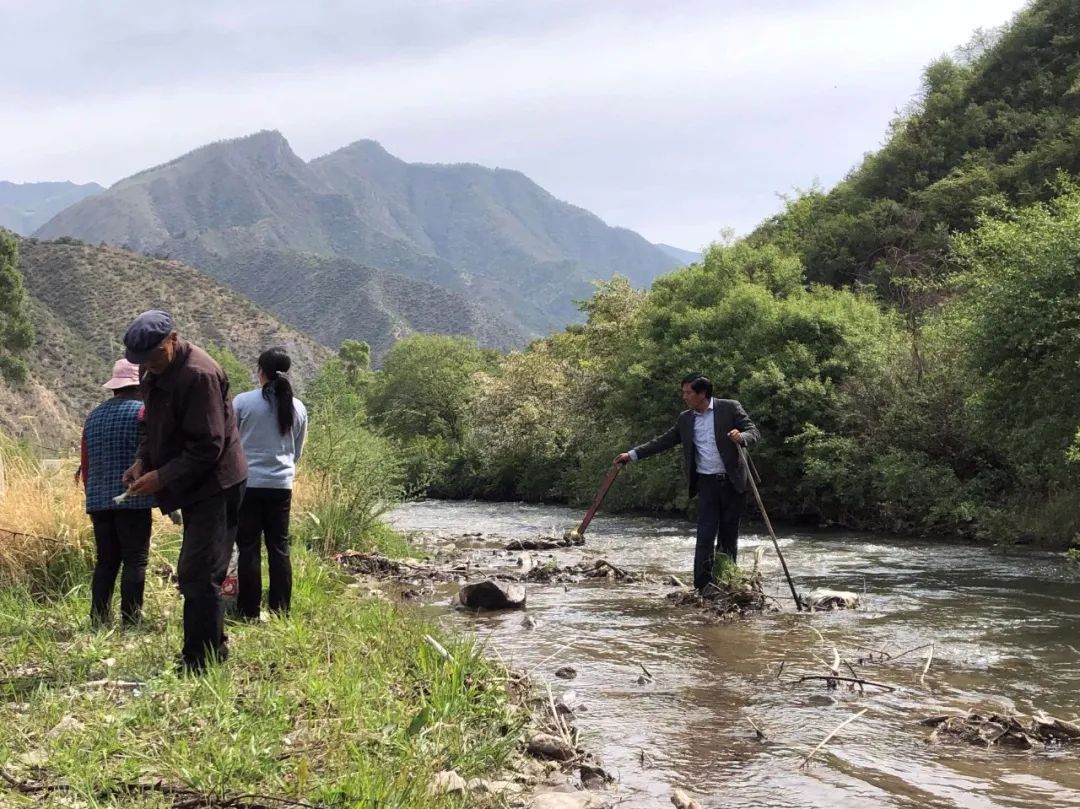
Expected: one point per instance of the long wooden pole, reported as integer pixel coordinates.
(764, 515)
(614, 473)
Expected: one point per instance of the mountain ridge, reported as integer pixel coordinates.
(493, 235)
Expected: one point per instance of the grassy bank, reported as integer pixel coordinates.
(344, 702)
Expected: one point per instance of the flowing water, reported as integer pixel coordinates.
(1005, 626)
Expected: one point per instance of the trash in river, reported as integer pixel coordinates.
(371, 564)
(551, 573)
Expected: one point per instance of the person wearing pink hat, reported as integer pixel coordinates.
(121, 522)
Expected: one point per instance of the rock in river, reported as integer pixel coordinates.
(544, 745)
(492, 595)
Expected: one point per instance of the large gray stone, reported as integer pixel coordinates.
(492, 595)
(544, 745)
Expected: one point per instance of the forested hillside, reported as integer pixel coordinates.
(908, 342)
(80, 299)
(994, 127)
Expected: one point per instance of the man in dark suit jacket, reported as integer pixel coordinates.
(710, 432)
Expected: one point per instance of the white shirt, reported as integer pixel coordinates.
(706, 454)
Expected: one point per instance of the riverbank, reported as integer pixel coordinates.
(346, 701)
(350, 700)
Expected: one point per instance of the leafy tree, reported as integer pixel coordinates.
(522, 424)
(241, 377)
(355, 356)
(426, 386)
(1023, 304)
(16, 331)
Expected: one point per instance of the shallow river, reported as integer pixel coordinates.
(1005, 627)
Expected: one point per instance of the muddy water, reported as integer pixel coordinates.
(1005, 624)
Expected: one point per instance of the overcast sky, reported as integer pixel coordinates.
(676, 118)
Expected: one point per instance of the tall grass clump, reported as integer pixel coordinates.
(350, 476)
(45, 536)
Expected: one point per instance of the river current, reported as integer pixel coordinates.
(1005, 625)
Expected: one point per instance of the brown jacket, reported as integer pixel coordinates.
(191, 437)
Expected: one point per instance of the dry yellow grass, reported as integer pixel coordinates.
(41, 515)
(44, 527)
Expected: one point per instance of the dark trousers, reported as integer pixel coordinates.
(719, 509)
(209, 532)
(122, 537)
(264, 515)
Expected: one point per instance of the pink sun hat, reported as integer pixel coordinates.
(124, 375)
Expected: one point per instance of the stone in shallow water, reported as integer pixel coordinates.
(683, 801)
(492, 595)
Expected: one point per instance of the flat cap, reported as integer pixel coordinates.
(145, 334)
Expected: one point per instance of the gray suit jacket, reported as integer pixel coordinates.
(728, 415)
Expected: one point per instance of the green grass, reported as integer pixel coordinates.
(725, 572)
(342, 702)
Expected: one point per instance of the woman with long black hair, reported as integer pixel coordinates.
(272, 425)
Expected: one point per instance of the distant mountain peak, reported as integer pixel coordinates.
(494, 236)
(679, 254)
(366, 145)
(24, 207)
(267, 145)
(261, 142)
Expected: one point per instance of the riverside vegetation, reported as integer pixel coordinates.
(345, 701)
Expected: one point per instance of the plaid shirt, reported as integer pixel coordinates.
(110, 439)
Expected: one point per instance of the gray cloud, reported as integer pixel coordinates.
(674, 119)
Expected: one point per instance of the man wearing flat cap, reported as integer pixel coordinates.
(190, 459)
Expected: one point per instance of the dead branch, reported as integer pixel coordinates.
(440, 650)
(618, 571)
(122, 684)
(858, 680)
(835, 730)
(926, 668)
(856, 676)
(760, 733)
(906, 652)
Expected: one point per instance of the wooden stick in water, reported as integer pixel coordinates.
(614, 473)
(835, 730)
(926, 668)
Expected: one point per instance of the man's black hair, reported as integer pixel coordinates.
(699, 383)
